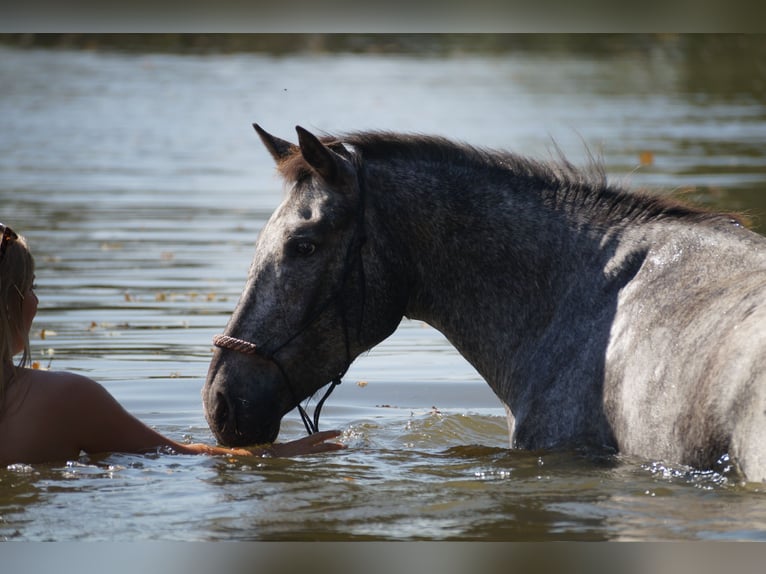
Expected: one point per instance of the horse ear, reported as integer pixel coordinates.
(326, 162)
(278, 148)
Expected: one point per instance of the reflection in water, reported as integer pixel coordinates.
(139, 182)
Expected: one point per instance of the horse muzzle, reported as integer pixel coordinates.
(242, 399)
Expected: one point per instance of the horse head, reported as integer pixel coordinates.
(315, 298)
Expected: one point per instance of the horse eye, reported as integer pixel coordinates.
(304, 248)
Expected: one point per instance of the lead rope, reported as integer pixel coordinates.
(248, 348)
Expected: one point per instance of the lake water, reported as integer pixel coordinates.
(141, 186)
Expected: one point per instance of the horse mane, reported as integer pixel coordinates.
(564, 184)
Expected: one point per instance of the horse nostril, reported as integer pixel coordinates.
(221, 414)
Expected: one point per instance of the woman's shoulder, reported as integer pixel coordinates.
(55, 379)
(42, 413)
(40, 387)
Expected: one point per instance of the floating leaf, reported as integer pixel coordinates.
(646, 157)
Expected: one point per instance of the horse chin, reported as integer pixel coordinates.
(254, 436)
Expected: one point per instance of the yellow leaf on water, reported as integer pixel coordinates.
(646, 157)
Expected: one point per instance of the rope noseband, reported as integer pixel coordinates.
(234, 344)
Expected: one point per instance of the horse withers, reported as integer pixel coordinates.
(601, 318)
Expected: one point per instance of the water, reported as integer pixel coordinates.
(141, 186)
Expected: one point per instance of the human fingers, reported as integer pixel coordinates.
(317, 442)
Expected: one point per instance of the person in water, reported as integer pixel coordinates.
(48, 416)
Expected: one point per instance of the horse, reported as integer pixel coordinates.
(603, 318)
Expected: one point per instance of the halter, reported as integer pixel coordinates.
(248, 348)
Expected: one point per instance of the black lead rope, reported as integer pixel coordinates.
(312, 426)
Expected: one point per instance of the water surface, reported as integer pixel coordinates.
(141, 186)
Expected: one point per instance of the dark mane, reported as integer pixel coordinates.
(564, 185)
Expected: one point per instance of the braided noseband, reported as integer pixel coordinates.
(234, 344)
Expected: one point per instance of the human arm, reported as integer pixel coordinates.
(311, 444)
(95, 422)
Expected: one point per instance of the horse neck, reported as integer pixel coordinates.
(484, 264)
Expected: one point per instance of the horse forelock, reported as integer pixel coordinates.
(294, 167)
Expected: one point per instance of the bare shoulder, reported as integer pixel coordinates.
(62, 397)
(59, 414)
(54, 377)
(58, 384)
(44, 413)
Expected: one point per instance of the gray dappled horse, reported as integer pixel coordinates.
(601, 318)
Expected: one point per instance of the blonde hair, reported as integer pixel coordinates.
(17, 272)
